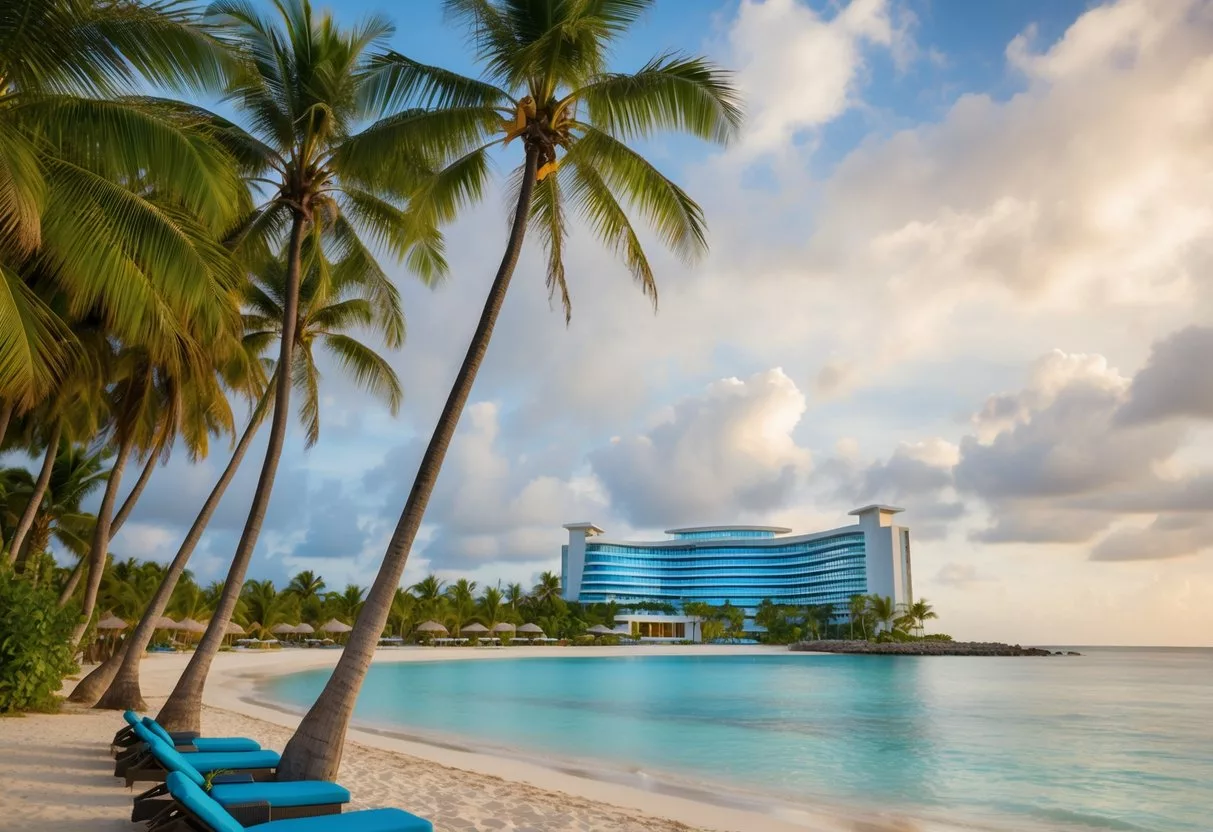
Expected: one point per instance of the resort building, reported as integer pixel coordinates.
(742, 565)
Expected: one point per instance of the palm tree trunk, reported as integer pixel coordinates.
(101, 537)
(183, 710)
(35, 500)
(115, 682)
(128, 505)
(73, 580)
(314, 752)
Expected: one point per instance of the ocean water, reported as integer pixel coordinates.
(1117, 739)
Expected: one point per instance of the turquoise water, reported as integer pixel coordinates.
(1115, 739)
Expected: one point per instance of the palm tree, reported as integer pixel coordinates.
(345, 605)
(306, 585)
(919, 613)
(514, 596)
(118, 687)
(547, 590)
(404, 612)
(857, 610)
(461, 604)
(884, 610)
(548, 59)
(90, 164)
(307, 87)
(489, 609)
(334, 299)
(430, 596)
(263, 604)
(75, 474)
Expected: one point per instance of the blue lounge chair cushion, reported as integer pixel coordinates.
(217, 819)
(131, 717)
(226, 744)
(366, 820)
(205, 743)
(197, 763)
(207, 761)
(282, 795)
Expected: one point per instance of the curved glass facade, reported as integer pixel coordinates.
(721, 567)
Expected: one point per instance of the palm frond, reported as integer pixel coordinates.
(547, 219)
(35, 345)
(369, 369)
(670, 92)
(393, 80)
(677, 219)
(602, 212)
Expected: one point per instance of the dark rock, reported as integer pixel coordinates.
(921, 648)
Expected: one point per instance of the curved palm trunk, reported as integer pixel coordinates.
(73, 580)
(115, 682)
(128, 505)
(314, 752)
(101, 538)
(35, 500)
(183, 710)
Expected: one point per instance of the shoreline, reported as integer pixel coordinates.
(457, 787)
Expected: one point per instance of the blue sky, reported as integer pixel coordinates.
(958, 263)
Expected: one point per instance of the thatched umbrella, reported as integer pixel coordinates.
(189, 625)
(531, 629)
(334, 626)
(305, 629)
(166, 623)
(600, 630)
(431, 627)
(233, 629)
(475, 629)
(283, 629)
(503, 627)
(111, 622)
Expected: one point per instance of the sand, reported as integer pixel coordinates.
(56, 772)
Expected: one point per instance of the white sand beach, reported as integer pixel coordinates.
(57, 773)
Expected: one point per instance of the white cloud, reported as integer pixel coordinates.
(726, 452)
(800, 71)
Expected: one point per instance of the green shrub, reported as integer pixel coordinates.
(583, 641)
(35, 655)
(937, 637)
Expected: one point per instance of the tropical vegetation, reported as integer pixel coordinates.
(168, 277)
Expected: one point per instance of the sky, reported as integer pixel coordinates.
(959, 263)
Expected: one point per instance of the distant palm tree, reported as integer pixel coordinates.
(547, 590)
(461, 606)
(405, 608)
(514, 595)
(884, 610)
(857, 609)
(264, 605)
(345, 605)
(306, 585)
(547, 75)
(430, 596)
(490, 608)
(919, 613)
(76, 473)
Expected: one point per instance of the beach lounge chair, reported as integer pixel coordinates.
(249, 801)
(193, 810)
(143, 764)
(183, 740)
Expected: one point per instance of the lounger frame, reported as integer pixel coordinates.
(154, 802)
(143, 767)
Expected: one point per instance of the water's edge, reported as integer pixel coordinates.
(706, 792)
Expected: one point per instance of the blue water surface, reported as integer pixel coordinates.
(1118, 739)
